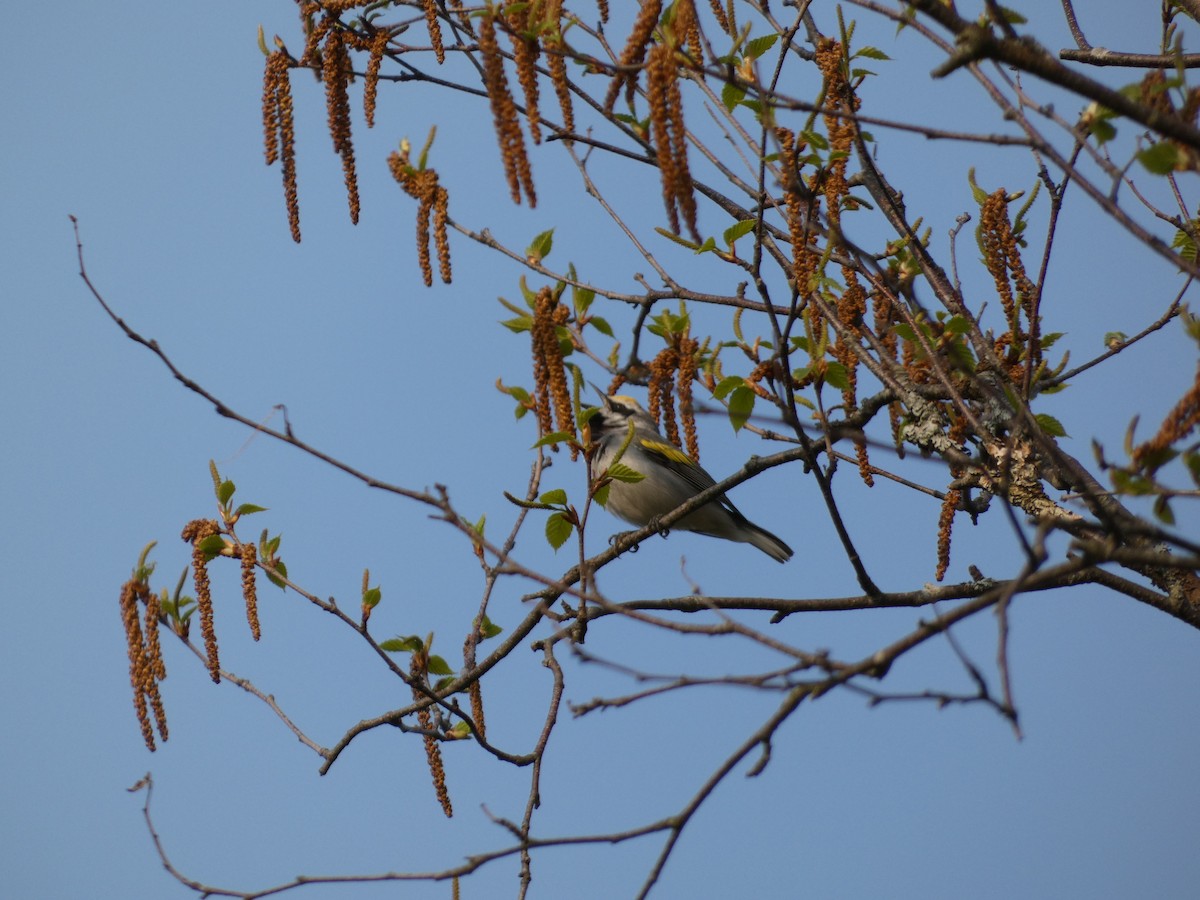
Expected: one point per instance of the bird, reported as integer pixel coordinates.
(670, 477)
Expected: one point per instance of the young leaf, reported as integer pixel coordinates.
(519, 324)
(732, 95)
(1162, 158)
(727, 384)
(439, 666)
(871, 53)
(741, 405)
(760, 45)
(489, 630)
(409, 644)
(555, 437)
(621, 472)
(1051, 425)
(601, 325)
(558, 495)
(212, 546)
(558, 530)
(836, 376)
(741, 229)
(539, 249)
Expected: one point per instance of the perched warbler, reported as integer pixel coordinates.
(670, 478)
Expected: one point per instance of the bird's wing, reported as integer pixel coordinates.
(678, 461)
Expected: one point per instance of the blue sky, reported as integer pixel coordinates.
(146, 127)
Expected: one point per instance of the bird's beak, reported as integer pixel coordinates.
(603, 396)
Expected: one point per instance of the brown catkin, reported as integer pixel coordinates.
(156, 669)
(379, 42)
(526, 52)
(424, 211)
(719, 13)
(993, 222)
(432, 200)
(634, 52)
(433, 752)
(279, 131)
(336, 73)
(475, 689)
(552, 394)
(799, 211)
(556, 64)
(688, 348)
(945, 523)
(249, 556)
(441, 219)
(435, 30)
(195, 532)
(1179, 423)
(504, 114)
(661, 392)
(137, 657)
(670, 137)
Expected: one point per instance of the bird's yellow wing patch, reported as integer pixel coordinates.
(670, 451)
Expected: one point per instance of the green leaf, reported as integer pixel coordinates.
(760, 45)
(1051, 425)
(558, 530)
(555, 437)
(601, 325)
(1184, 243)
(460, 731)
(1161, 158)
(1012, 17)
(727, 384)
(870, 53)
(372, 597)
(211, 546)
(1102, 130)
(581, 299)
(741, 229)
(1113, 339)
(836, 376)
(540, 248)
(732, 95)
(681, 241)
(1191, 459)
(1162, 509)
(439, 666)
(409, 644)
(277, 580)
(621, 472)
(225, 492)
(601, 495)
(248, 509)
(558, 495)
(977, 192)
(707, 247)
(959, 325)
(815, 140)
(519, 324)
(489, 630)
(741, 405)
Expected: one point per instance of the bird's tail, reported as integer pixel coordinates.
(767, 543)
